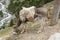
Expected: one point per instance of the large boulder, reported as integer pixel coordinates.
(55, 36)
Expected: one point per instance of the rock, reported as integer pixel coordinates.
(55, 36)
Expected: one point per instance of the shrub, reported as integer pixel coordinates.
(11, 23)
(16, 5)
(1, 14)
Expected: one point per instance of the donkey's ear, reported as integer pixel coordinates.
(33, 7)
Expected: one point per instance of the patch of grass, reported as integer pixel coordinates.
(48, 5)
(6, 31)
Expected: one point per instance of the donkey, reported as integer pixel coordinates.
(29, 14)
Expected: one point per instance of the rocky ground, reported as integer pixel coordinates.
(49, 30)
